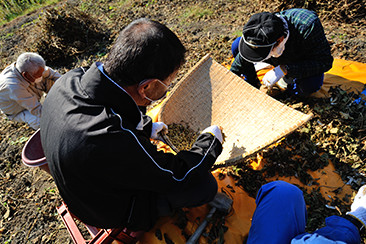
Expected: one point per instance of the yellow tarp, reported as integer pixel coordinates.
(239, 219)
(352, 77)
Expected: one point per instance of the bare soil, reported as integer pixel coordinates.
(28, 196)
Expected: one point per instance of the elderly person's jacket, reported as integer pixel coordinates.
(17, 94)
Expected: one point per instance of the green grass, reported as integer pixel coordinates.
(196, 12)
(18, 140)
(11, 9)
(237, 33)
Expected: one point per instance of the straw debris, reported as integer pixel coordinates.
(65, 33)
(182, 136)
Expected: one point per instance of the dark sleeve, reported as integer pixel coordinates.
(143, 109)
(317, 55)
(241, 67)
(174, 171)
(337, 230)
(201, 156)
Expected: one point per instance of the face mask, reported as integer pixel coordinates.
(38, 80)
(277, 51)
(162, 97)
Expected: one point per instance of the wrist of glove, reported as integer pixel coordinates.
(273, 76)
(359, 214)
(358, 207)
(215, 131)
(157, 128)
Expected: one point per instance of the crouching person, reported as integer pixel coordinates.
(22, 85)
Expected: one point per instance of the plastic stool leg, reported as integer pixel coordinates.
(70, 224)
(102, 236)
(112, 236)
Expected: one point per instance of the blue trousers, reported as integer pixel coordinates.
(360, 100)
(280, 214)
(235, 46)
(306, 86)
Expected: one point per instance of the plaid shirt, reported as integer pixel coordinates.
(307, 51)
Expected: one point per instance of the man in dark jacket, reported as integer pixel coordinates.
(97, 141)
(293, 41)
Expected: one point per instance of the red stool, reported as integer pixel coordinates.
(99, 236)
(33, 156)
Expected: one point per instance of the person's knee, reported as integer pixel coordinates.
(279, 204)
(306, 86)
(235, 46)
(287, 189)
(212, 189)
(209, 191)
(282, 189)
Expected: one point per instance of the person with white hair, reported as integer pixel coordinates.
(22, 85)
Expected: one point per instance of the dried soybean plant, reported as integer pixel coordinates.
(182, 136)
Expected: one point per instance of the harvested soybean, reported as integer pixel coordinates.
(182, 136)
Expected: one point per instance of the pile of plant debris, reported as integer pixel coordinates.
(9, 143)
(65, 33)
(342, 10)
(182, 136)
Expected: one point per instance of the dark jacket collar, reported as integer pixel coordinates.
(104, 92)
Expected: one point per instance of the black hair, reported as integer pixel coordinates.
(145, 49)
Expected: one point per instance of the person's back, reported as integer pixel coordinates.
(80, 142)
(307, 43)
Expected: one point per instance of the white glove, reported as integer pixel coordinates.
(215, 131)
(273, 76)
(358, 207)
(157, 127)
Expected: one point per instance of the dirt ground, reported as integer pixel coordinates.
(28, 196)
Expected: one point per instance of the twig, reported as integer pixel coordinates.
(19, 199)
(34, 222)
